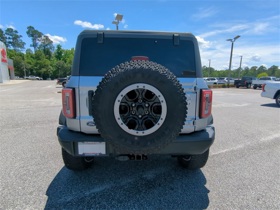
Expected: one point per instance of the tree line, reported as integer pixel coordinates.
(48, 61)
(42, 58)
(254, 71)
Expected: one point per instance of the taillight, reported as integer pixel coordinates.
(205, 103)
(68, 102)
(263, 86)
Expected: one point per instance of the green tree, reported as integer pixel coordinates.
(263, 74)
(61, 69)
(41, 66)
(46, 46)
(13, 40)
(2, 36)
(18, 60)
(246, 72)
(207, 72)
(29, 61)
(62, 62)
(58, 53)
(35, 36)
(273, 71)
(68, 56)
(253, 71)
(261, 69)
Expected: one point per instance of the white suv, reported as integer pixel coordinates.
(136, 93)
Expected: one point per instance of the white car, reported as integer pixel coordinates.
(259, 82)
(272, 90)
(224, 80)
(33, 78)
(211, 80)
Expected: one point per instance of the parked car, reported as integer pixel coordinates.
(245, 81)
(257, 83)
(272, 90)
(62, 81)
(224, 80)
(211, 80)
(31, 77)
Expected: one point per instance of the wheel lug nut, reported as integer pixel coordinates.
(140, 116)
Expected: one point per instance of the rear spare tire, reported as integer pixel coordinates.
(139, 107)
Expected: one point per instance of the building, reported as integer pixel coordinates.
(6, 65)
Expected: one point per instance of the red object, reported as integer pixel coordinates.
(4, 56)
(205, 103)
(68, 102)
(263, 86)
(140, 58)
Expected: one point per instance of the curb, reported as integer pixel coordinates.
(14, 82)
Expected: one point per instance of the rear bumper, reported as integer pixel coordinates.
(266, 95)
(187, 144)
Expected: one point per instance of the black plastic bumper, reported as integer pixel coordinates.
(187, 144)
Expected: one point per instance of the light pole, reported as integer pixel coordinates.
(117, 20)
(240, 67)
(232, 42)
(209, 67)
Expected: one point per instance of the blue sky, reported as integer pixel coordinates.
(211, 21)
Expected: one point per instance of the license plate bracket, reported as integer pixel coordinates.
(91, 148)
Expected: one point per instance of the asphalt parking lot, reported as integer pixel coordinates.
(242, 171)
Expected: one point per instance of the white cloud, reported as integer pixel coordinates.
(252, 45)
(258, 27)
(226, 29)
(10, 26)
(205, 13)
(7, 26)
(202, 42)
(86, 24)
(56, 39)
(125, 26)
(252, 55)
(255, 58)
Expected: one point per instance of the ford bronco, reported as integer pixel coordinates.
(133, 94)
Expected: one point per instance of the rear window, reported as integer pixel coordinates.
(97, 59)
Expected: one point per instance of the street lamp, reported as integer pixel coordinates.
(117, 20)
(209, 67)
(240, 67)
(232, 41)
